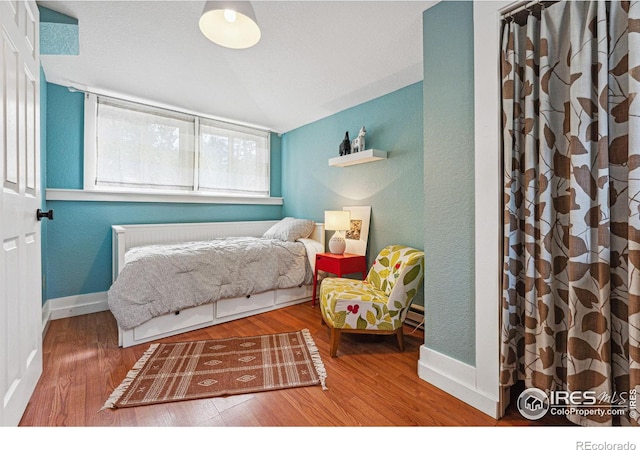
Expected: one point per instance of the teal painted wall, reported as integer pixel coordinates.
(58, 33)
(392, 187)
(449, 180)
(65, 137)
(78, 251)
(275, 165)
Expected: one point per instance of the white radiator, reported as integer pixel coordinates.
(415, 316)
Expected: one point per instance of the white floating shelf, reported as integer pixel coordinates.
(358, 158)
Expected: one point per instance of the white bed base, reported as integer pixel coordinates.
(225, 310)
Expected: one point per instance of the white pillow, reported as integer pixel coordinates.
(290, 229)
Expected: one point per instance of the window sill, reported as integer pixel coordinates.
(80, 195)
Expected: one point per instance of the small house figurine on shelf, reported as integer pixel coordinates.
(345, 145)
(357, 145)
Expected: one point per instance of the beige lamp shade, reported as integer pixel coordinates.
(230, 24)
(337, 220)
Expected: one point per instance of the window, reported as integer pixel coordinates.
(139, 148)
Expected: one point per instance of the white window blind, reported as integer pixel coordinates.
(232, 161)
(143, 148)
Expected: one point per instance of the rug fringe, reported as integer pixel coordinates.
(315, 357)
(117, 393)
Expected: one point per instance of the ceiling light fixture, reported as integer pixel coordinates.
(230, 24)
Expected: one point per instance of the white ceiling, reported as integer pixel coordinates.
(315, 58)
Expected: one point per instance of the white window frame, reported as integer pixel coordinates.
(91, 192)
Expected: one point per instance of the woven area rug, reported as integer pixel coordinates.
(212, 368)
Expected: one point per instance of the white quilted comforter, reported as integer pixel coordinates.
(159, 279)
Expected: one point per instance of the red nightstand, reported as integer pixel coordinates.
(339, 265)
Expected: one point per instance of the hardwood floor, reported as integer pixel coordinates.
(370, 383)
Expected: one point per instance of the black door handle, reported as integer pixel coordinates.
(40, 214)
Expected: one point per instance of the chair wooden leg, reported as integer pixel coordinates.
(335, 339)
(400, 337)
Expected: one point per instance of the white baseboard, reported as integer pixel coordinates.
(75, 305)
(46, 317)
(455, 378)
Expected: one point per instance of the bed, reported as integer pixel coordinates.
(173, 278)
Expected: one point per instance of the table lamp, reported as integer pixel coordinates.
(337, 221)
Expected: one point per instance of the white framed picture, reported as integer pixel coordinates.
(356, 237)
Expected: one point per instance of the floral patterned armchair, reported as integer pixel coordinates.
(377, 305)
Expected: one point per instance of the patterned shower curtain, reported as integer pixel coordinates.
(571, 142)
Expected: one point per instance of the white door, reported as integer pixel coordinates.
(20, 269)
